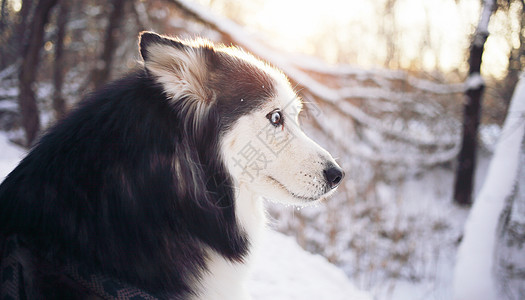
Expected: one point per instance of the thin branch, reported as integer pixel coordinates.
(9, 70)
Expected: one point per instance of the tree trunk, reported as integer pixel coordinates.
(23, 18)
(516, 60)
(510, 249)
(389, 31)
(59, 104)
(28, 70)
(472, 111)
(491, 256)
(3, 15)
(4, 51)
(11, 36)
(102, 70)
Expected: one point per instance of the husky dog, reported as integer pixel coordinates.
(157, 180)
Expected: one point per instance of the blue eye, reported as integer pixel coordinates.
(276, 118)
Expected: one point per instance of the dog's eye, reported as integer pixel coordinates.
(275, 118)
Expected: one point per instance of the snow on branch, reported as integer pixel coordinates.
(316, 65)
(482, 31)
(360, 116)
(297, 66)
(474, 81)
(426, 160)
(9, 71)
(436, 88)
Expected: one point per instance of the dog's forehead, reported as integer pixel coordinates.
(286, 99)
(247, 83)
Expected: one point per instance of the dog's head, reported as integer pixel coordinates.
(260, 140)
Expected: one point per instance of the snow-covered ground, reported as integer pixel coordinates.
(398, 240)
(399, 244)
(10, 155)
(283, 270)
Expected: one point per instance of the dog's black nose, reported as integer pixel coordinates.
(333, 176)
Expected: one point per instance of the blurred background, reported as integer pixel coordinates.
(383, 83)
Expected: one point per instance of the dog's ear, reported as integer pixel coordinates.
(183, 68)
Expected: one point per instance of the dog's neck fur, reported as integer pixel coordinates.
(250, 211)
(226, 279)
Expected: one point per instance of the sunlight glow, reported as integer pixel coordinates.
(17, 5)
(295, 21)
(351, 32)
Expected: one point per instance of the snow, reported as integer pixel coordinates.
(473, 277)
(413, 215)
(11, 106)
(488, 135)
(9, 71)
(474, 81)
(483, 25)
(282, 270)
(10, 157)
(432, 225)
(316, 65)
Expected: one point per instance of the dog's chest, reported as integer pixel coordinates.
(226, 279)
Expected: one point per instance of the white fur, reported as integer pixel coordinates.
(294, 173)
(293, 163)
(226, 280)
(181, 72)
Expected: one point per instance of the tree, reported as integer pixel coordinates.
(102, 70)
(501, 199)
(472, 111)
(389, 31)
(3, 14)
(59, 104)
(510, 248)
(27, 74)
(11, 31)
(516, 61)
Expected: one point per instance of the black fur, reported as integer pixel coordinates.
(100, 187)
